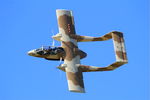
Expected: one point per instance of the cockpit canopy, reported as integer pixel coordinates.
(45, 50)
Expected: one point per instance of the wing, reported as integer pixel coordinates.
(72, 57)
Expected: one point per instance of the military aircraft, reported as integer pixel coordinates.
(71, 54)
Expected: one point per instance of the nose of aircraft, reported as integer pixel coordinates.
(31, 53)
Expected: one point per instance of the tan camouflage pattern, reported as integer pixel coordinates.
(119, 46)
(72, 57)
(69, 39)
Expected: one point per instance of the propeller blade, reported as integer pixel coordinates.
(53, 42)
(42, 47)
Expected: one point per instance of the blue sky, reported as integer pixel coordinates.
(27, 24)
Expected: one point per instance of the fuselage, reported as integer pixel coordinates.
(51, 53)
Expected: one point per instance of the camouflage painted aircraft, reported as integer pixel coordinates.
(71, 54)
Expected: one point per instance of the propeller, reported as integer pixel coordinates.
(53, 42)
(42, 47)
(60, 72)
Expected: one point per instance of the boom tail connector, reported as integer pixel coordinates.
(119, 47)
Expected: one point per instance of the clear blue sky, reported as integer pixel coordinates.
(27, 24)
